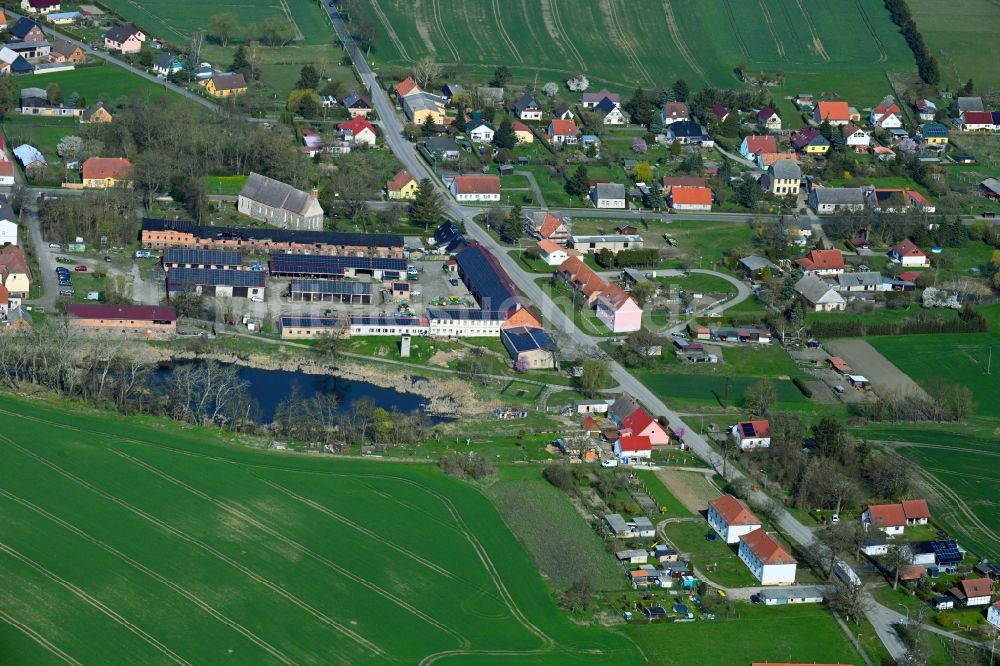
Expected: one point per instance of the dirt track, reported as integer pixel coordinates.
(692, 489)
(865, 360)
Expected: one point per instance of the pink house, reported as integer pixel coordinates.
(641, 424)
(618, 310)
(124, 38)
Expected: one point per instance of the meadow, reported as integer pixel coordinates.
(93, 83)
(174, 545)
(956, 39)
(622, 45)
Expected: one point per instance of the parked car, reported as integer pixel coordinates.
(80, 269)
(256, 299)
(55, 246)
(107, 260)
(610, 462)
(66, 292)
(453, 282)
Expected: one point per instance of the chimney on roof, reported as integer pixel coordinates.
(315, 192)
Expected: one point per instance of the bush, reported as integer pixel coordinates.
(801, 386)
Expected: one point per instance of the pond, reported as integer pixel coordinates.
(270, 387)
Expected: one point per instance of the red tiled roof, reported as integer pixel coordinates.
(635, 443)
(906, 248)
(734, 511)
(973, 587)
(477, 184)
(562, 127)
(683, 181)
(143, 312)
(549, 226)
(915, 509)
(6, 167)
(839, 364)
(4, 295)
(834, 111)
(582, 277)
(912, 572)
(887, 515)
(766, 549)
(978, 118)
(762, 144)
(639, 420)
(761, 428)
(518, 126)
(676, 110)
(909, 276)
(99, 168)
(400, 180)
(691, 195)
(407, 86)
(590, 424)
(12, 260)
(356, 125)
(547, 246)
(822, 260)
(616, 297)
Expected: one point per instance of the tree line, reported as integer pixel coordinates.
(927, 65)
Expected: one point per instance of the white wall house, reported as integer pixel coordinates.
(481, 133)
(608, 195)
(8, 231)
(751, 434)
(993, 615)
(476, 188)
(731, 518)
(767, 560)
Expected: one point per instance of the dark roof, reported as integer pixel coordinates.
(23, 27)
(330, 287)
(356, 100)
(388, 321)
(686, 128)
(164, 59)
(319, 264)
(338, 238)
(120, 33)
(488, 283)
(528, 338)
(230, 81)
(606, 105)
(192, 256)
(179, 278)
(527, 101)
(468, 315)
(64, 48)
(92, 109)
(276, 194)
(309, 322)
(144, 312)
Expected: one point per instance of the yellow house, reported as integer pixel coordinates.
(403, 186)
(226, 85)
(14, 272)
(935, 134)
(783, 178)
(522, 132)
(101, 173)
(98, 113)
(420, 106)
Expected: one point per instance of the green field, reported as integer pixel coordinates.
(845, 48)
(956, 38)
(107, 82)
(170, 545)
(780, 634)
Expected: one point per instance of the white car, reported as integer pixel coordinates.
(610, 462)
(256, 299)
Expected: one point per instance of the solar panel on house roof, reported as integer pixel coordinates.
(385, 321)
(192, 256)
(317, 264)
(748, 430)
(178, 278)
(308, 322)
(330, 287)
(487, 281)
(524, 339)
(467, 315)
(946, 552)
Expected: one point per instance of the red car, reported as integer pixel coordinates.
(80, 269)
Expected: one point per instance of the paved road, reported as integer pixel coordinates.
(46, 261)
(103, 55)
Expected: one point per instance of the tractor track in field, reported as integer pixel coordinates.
(38, 638)
(95, 603)
(295, 545)
(183, 536)
(769, 21)
(298, 36)
(811, 26)
(883, 55)
(678, 37)
(139, 566)
(958, 506)
(563, 38)
(158, 19)
(608, 8)
(436, 13)
(390, 31)
(460, 525)
(728, 5)
(360, 528)
(502, 31)
(422, 29)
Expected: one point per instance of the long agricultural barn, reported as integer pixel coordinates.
(389, 325)
(341, 291)
(303, 328)
(322, 266)
(157, 234)
(458, 323)
(212, 282)
(147, 321)
(491, 287)
(193, 258)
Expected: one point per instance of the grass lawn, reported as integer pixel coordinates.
(260, 555)
(583, 315)
(881, 315)
(104, 81)
(531, 263)
(716, 559)
(953, 38)
(229, 185)
(802, 634)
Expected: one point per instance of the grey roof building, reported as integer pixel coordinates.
(831, 199)
(819, 294)
(755, 264)
(964, 104)
(863, 281)
(280, 204)
(786, 170)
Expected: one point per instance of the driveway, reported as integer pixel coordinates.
(46, 259)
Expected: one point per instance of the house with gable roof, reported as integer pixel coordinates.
(527, 107)
(767, 560)
(545, 225)
(886, 115)
(403, 186)
(731, 518)
(612, 112)
(561, 132)
(618, 310)
(522, 132)
(820, 295)
(406, 87)
(124, 39)
(822, 262)
(769, 119)
(752, 434)
(836, 113)
(633, 419)
(674, 112)
(973, 592)
(357, 104)
(856, 138)
(581, 278)
(633, 446)
(591, 100)
(909, 255)
(894, 518)
(357, 131)
(753, 146)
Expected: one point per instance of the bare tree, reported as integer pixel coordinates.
(847, 599)
(425, 70)
(896, 560)
(195, 44)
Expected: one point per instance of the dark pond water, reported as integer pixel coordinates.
(270, 387)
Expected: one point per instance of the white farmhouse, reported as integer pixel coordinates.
(608, 195)
(731, 518)
(476, 188)
(767, 560)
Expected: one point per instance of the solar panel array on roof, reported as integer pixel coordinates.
(385, 321)
(202, 257)
(317, 264)
(946, 552)
(748, 430)
(488, 282)
(178, 278)
(338, 238)
(524, 339)
(467, 315)
(330, 287)
(308, 322)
